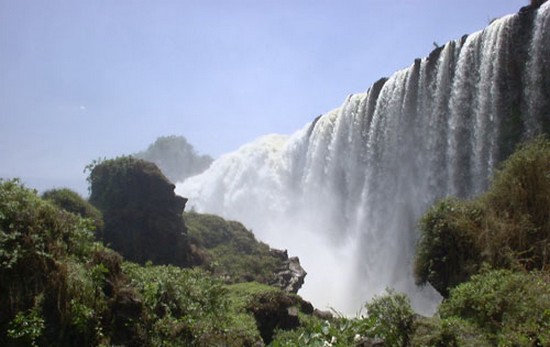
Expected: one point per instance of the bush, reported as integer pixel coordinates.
(39, 244)
(60, 288)
(181, 306)
(448, 332)
(392, 318)
(508, 227)
(509, 307)
(231, 252)
(519, 199)
(447, 252)
(72, 202)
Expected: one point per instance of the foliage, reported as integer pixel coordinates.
(392, 318)
(390, 321)
(240, 296)
(447, 332)
(110, 179)
(40, 245)
(59, 288)
(185, 307)
(230, 251)
(72, 202)
(519, 201)
(175, 157)
(315, 332)
(511, 308)
(507, 227)
(448, 253)
(27, 327)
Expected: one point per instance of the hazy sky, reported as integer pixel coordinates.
(100, 78)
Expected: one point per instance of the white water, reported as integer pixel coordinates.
(345, 192)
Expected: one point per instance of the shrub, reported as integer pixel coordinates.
(507, 227)
(519, 199)
(72, 202)
(448, 332)
(38, 244)
(232, 252)
(447, 252)
(392, 318)
(511, 307)
(181, 306)
(27, 326)
(339, 331)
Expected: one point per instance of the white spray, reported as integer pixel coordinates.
(345, 192)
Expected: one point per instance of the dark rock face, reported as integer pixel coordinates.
(533, 5)
(127, 309)
(142, 214)
(277, 310)
(326, 315)
(290, 277)
(125, 304)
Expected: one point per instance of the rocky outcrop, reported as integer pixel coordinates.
(277, 310)
(142, 213)
(535, 4)
(290, 276)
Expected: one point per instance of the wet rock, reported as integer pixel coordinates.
(274, 310)
(290, 276)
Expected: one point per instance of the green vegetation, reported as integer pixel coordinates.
(489, 257)
(507, 227)
(184, 307)
(230, 251)
(389, 322)
(61, 288)
(175, 157)
(509, 308)
(447, 332)
(46, 269)
(72, 202)
(392, 318)
(448, 252)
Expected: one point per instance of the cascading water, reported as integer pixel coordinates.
(346, 191)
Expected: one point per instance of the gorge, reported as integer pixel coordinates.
(345, 192)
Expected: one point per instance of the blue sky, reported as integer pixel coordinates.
(100, 78)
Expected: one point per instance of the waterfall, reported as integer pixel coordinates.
(345, 192)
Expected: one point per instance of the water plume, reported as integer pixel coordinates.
(345, 192)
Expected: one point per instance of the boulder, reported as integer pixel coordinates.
(290, 276)
(142, 214)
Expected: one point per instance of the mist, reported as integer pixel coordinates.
(346, 191)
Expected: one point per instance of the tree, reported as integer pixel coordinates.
(176, 158)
